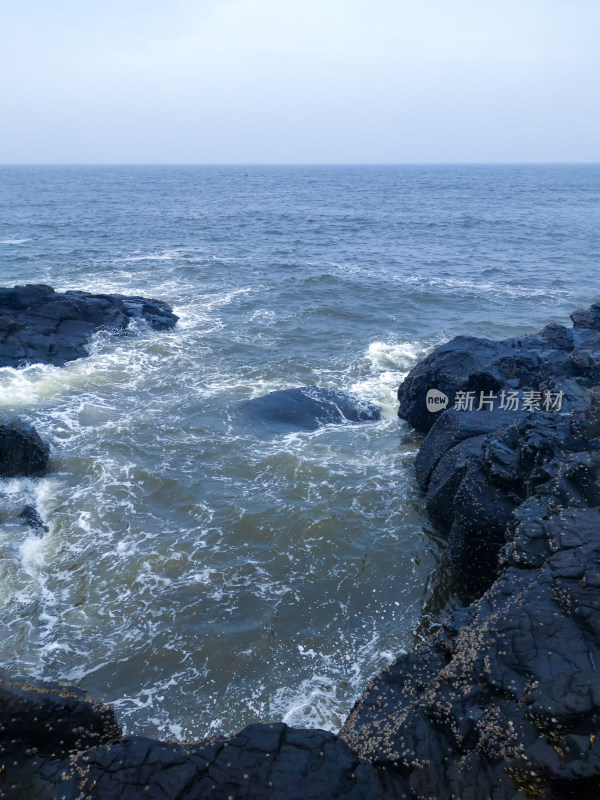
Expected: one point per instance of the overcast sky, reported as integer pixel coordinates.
(299, 81)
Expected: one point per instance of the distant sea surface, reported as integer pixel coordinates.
(201, 574)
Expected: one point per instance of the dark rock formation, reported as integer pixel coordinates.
(477, 466)
(504, 700)
(22, 451)
(556, 359)
(259, 762)
(58, 744)
(309, 407)
(41, 727)
(32, 517)
(39, 325)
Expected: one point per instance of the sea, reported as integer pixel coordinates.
(201, 574)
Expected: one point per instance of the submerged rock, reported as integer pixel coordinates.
(32, 517)
(309, 407)
(22, 451)
(41, 326)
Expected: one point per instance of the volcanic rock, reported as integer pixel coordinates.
(41, 326)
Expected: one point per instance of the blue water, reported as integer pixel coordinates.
(202, 575)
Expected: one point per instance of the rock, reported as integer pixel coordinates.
(42, 725)
(453, 427)
(39, 325)
(476, 468)
(261, 761)
(309, 407)
(503, 701)
(555, 359)
(32, 517)
(29, 710)
(587, 318)
(22, 451)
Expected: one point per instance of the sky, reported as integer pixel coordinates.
(299, 81)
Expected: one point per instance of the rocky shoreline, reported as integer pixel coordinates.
(502, 701)
(41, 326)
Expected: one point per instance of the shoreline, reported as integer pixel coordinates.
(474, 712)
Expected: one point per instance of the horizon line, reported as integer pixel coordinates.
(298, 163)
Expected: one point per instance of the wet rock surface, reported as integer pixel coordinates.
(39, 325)
(556, 359)
(309, 407)
(42, 726)
(65, 746)
(502, 702)
(31, 516)
(261, 761)
(22, 451)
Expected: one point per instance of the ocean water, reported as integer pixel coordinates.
(201, 574)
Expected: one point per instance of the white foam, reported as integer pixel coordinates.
(477, 287)
(22, 388)
(52, 647)
(263, 315)
(165, 255)
(395, 356)
(111, 363)
(32, 555)
(311, 705)
(218, 299)
(385, 366)
(14, 241)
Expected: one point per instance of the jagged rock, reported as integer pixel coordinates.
(29, 710)
(41, 726)
(39, 325)
(309, 407)
(503, 701)
(556, 359)
(260, 762)
(587, 318)
(22, 451)
(454, 427)
(477, 467)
